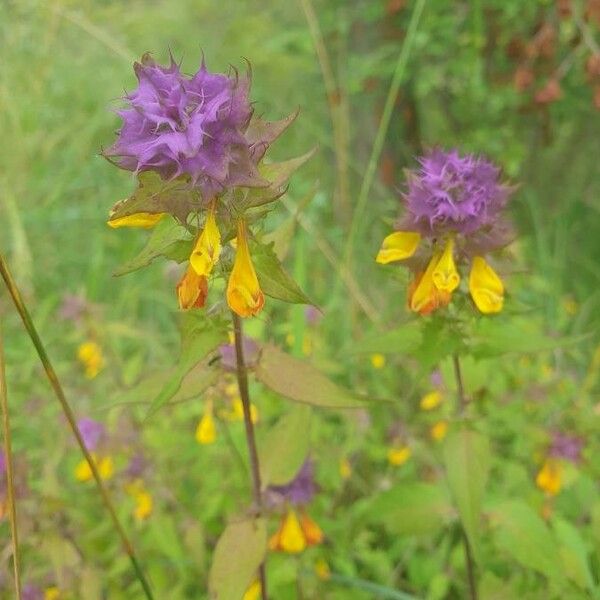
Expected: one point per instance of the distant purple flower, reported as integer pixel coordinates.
(566, 446)
(31, 592)
(300, 490)
(2, 463)
(91, 431)
(312, 315)
(228, 358)
(137, 465)
(72, 307)
(436, 379)
(451, 193)
(177, 124)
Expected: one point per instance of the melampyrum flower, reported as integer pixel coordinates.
(453, 219)
(244, 295)
(175, 124)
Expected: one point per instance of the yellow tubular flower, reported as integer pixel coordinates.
(431, 400)
(290, 537)
(398, 246)
(313, 534)
(244, 295)
(549, 478)
(487, 289)
(206, 432)
(445, 276)
(143, 505)
(253, 592)
(192, 290)
(208, 247)
(424, 297)
(398, 455)
(142, 219)
(438, 430)
(90, 356)
(105, 466)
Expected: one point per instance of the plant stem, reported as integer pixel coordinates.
(68, 412)
(10, 482)
(462, 405)
(242, 379)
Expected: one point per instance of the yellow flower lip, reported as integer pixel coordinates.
(549, 478)
(296, 534)
(207, 250)
(486, 287)
(445, 276)
(424, 297)
(244, 295)
(398, 246)
(141, 219)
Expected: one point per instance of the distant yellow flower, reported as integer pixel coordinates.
(90, 356)
(51, 593)
(208, 247)
(105, 466)
(438, 430)
(345, 468)
(206, 432)
(322, 569)
(236, 413)
(486, 287)
(378, 361)
(141, 219)
(570, 306)
(431, 400)
(295, 535)
(549, 478)
(244, 295)
(398, 455)
(253, 592)
(398, 246)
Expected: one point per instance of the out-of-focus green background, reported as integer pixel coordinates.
(63, 66)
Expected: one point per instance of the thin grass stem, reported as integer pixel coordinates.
(367, 182)
(10, 480)
(70, 416)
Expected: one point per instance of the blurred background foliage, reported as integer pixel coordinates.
(519, 82)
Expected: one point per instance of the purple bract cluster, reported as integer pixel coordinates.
(187, 125)
(92, 432)
(451, 193)
(300, 490)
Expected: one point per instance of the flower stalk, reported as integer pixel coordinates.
(68, 412)
(242, 380)
(10, 482)
(462, 404)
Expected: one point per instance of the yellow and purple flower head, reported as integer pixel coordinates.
(453, 216)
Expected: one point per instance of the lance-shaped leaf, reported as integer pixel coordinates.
(239, 552)
(176, 197)
(298, 380)
(273, 278)
(467, 462)
(278, 174)
(283, 449)
(199, 337)
(410, 509)
(261, 134)
(521, 532)
(168, 238)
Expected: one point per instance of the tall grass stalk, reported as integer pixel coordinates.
(68, 412)
(10, 481)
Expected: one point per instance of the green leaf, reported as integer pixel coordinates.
(522, 533)
(403, 340)
(168, 238)
(273, 278)
(574, 554)
(285, 446)
(278, 174)
(411, 509)
(200, 337)
(299, 381)
(176, 197)
(492, 337)
(467, 462)
(239, 552)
